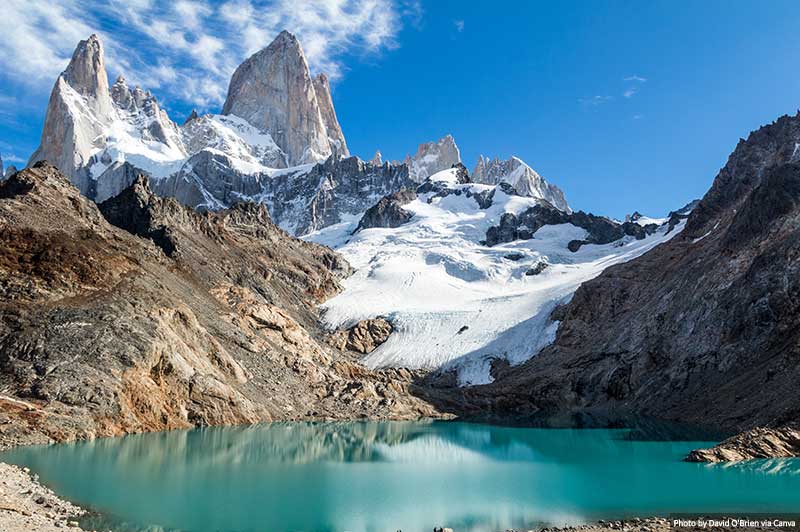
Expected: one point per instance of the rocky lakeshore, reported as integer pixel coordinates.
(650, 524)
(27, 506)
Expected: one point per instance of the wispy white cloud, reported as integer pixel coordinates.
(598, 99)
(188, 49)
(459, 24)
(638, 117)
(634, 82)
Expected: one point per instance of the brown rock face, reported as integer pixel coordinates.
(702, 329)
(783, 442)
(363, 337)
(149, 316)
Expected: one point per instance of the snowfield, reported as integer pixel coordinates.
(454, 302)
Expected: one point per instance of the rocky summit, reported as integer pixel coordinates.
(522, 177)
(273, 91)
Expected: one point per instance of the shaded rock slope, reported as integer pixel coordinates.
(704, 328)
(145, 315)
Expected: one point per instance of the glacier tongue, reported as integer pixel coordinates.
(454, 302)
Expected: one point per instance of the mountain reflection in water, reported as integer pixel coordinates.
(396, 475)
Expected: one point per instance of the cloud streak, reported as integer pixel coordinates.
(188, 49)
(596, 100)
(638, 79)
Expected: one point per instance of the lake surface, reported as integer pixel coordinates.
(388, 476)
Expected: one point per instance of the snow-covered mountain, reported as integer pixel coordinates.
(278, 141)
(519, 175)
(456, 302)
(466, 269)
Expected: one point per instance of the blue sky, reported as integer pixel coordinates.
(625, 105)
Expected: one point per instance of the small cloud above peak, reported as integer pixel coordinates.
(459, 24)
(598, 99)
(637, 79)
(630, 92)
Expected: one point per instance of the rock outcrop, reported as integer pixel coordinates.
(363, 337)
(319, 197)
(432, 157)
(522, 177)
(782, 442)
(144, 315)
(389, 211)
(704, 328)
(273, 91)
(599, 229)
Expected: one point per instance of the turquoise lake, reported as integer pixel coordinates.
(389, 476)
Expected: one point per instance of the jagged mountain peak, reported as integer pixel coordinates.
(86, 71)
(91, 130)
(525, 180)
(433, 157)
(322, 89)
(274, 91)
(192, 116)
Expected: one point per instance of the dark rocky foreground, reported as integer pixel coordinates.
(145, 315)
(703, 329)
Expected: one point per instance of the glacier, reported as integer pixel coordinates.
(457, 304)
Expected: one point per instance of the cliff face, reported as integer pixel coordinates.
(273, 90)
(322, 89)
(77, 113)
(704, 328)
(144, 315)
